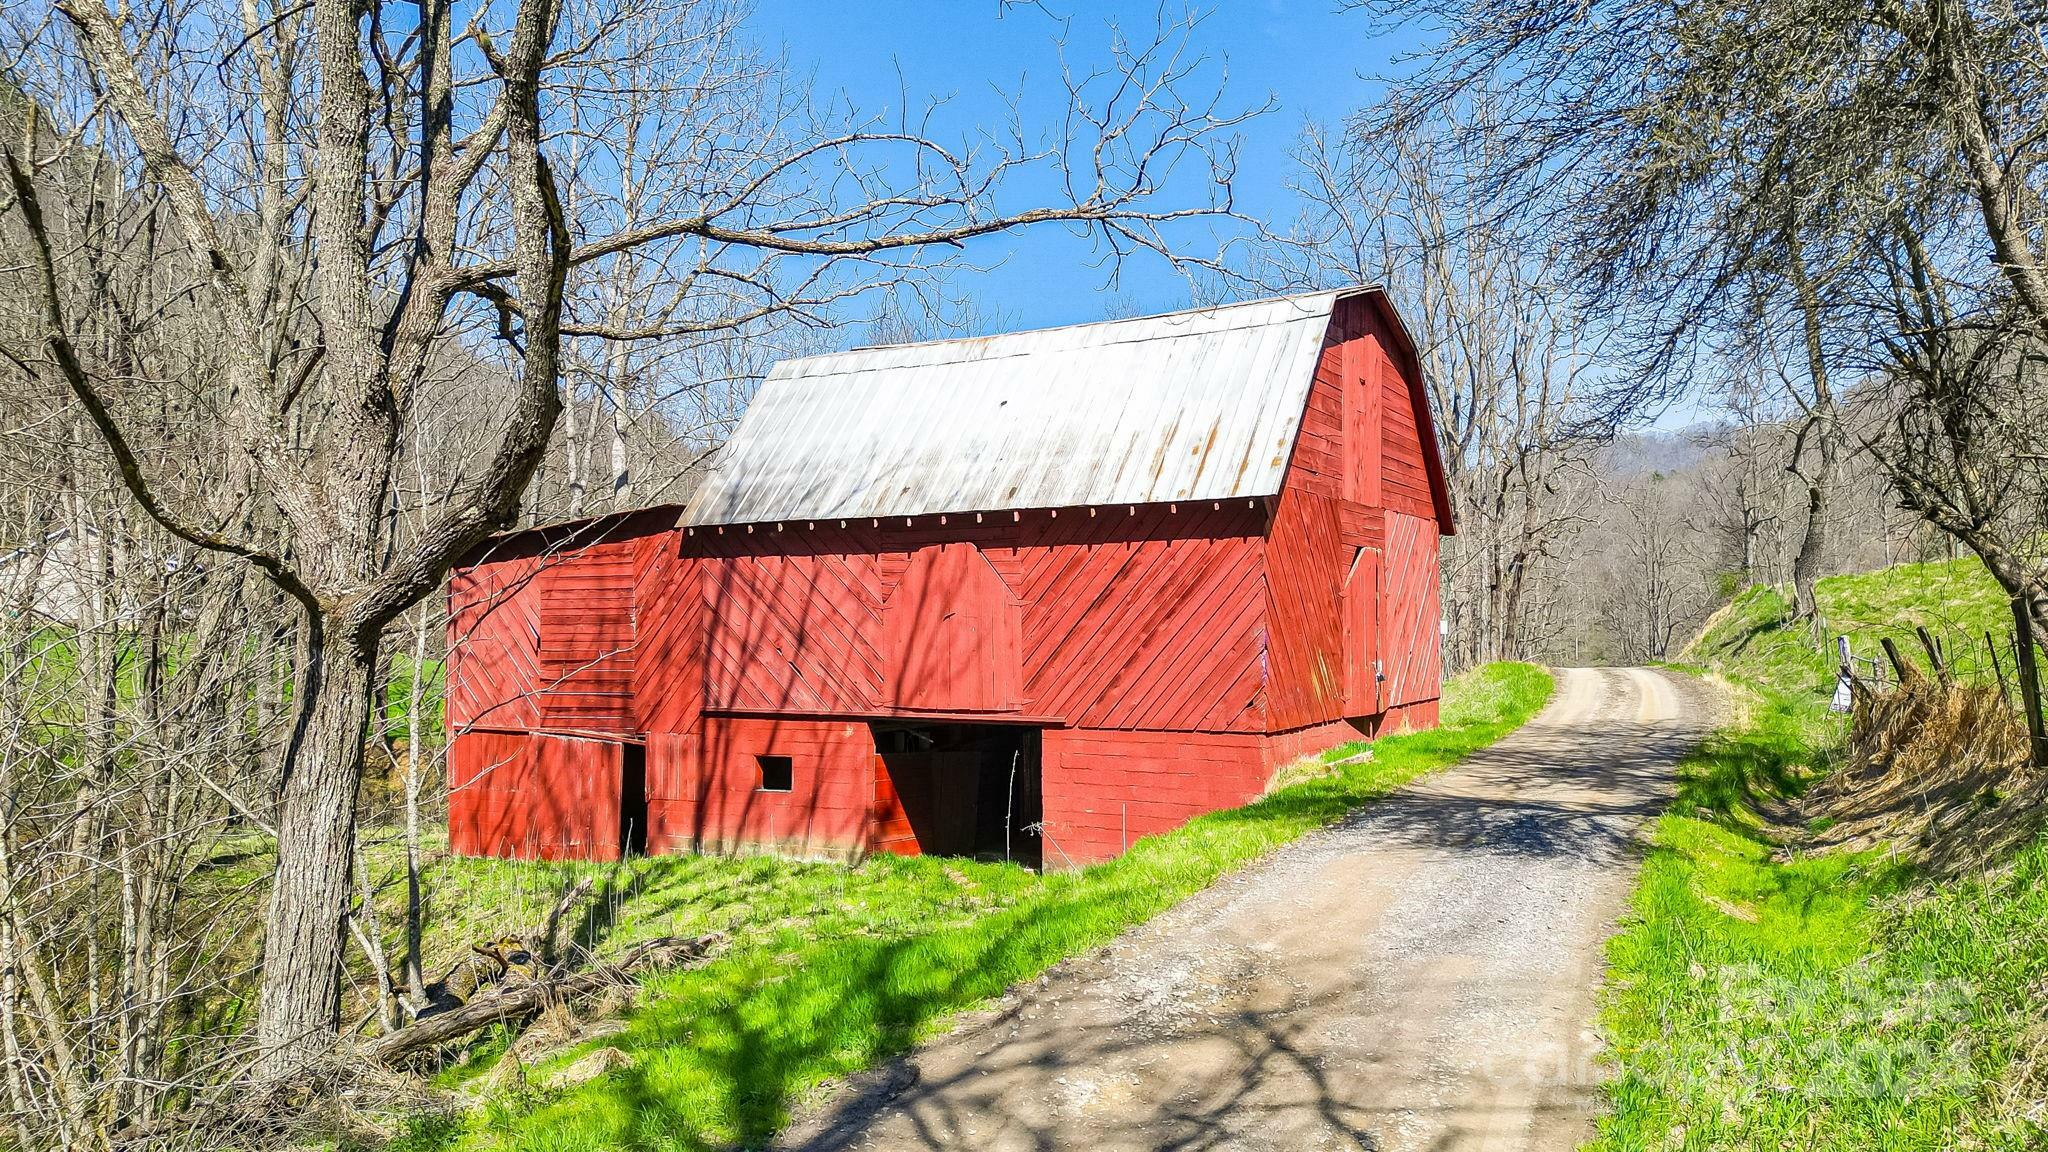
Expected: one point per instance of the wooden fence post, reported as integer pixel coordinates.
(2030, 681)
(1907, 673)
(1934, 659)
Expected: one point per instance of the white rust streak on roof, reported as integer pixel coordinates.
(1196, 405)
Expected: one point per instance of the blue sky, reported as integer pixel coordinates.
(1311, 59)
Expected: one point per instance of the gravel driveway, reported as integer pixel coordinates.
(1421, 976)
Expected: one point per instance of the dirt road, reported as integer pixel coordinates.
(1419, 977)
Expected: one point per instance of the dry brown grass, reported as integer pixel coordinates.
(1935, 772)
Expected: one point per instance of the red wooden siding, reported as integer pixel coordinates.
(586, 648)
(791, 624)
(1305, 627)
(1104, 790)
(543, 630)
(1317, 465)
(533, 796)
(493, 671)
(1365, 372)
(1362, 629)
(668, 667)
(1145, 618)
(952, 632)
(1149, 619)
(1173, 655)
(704, 794)
(1360, 457)
(1411, 473)
(1410, 614)
(1284, 748)
(1405, 476)
(889, 827)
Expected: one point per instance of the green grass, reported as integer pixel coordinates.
(1957, 601)
(1822, 1002)
(832, 969)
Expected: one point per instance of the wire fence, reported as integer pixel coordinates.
(2013, 662)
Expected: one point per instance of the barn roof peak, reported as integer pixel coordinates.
(1199, 404)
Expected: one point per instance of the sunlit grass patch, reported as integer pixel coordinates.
(1957, 601)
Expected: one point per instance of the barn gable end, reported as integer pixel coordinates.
(1353, 614)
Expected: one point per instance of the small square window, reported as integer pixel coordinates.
(778, 773)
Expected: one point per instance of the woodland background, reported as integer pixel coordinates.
(298, 302)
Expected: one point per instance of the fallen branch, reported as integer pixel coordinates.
(1934, 657)
(519, 1001)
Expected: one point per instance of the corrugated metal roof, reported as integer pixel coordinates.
(1195, 405)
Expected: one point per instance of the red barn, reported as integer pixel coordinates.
(1033, 595)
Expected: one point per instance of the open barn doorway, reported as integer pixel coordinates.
(958, 790)
(632, 800)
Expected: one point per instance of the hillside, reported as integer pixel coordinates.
(1775, 988)
(1955, 600)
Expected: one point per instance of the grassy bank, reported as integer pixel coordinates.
(1760, 998)
(832, 969)
(1956, 600)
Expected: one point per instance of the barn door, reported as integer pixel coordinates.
(1410, 635)
(1362, 634)
(889, 827)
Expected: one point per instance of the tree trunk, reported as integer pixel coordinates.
(572, 454)
(622, 474)
(299, 1004)
(415, 897)
(1820, 421)
(1806, 564)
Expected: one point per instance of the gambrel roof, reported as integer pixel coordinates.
(1203, 404)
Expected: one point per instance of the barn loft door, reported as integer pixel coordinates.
(1364, 369)
(953, 635)
(1411, 642)
(1362, 634)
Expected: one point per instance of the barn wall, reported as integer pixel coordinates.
(1305, 576)
(1123, 619)
(1128, 619)
(493, 670)
(587, 640)
(533, 796)
(704, 795)
(1105, 789)
(1339, 598)
(543, 628)
(1416, 717)
(1411, 629)
(1284, 748)
(544, 641)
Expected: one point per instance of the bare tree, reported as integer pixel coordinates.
(1746, 485)
(1505, 353)
(1754, 164)
(364, 192)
